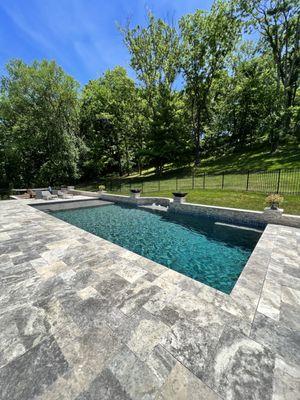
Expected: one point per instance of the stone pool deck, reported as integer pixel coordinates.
(82, 318)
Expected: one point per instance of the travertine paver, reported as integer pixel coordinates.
(84, 319)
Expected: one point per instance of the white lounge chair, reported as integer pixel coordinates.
(62, 194)
(46, 195)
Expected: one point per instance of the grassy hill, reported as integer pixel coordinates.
(233, 193)
(254, 160)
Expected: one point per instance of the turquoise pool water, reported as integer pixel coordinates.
(194, 246)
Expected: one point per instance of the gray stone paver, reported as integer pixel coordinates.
(182, 384)
(286, 381)
(280, 339)
(84, 319)
(235, 359)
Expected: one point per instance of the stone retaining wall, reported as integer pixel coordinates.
(233, 215)
(136, 201)
(223, 214)
(84, 193)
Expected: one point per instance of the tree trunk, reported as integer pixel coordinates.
(127, 158)
(197, 139)
(287, 114)
(274, 139)
(197, 149)
(119, 164)
(139, 167)
(120, 169)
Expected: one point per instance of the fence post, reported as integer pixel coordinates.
(142, 186)
(204, 180)
(247, 183)
(176, 183)
(193, 180)
(159, 185)
(223, 180)
(278, 181)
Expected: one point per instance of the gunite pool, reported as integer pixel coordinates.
(192, 245)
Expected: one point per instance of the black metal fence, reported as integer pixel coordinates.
(284, 181)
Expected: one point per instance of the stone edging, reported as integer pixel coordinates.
(252, 218)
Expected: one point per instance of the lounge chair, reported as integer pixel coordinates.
(46, 195)
(31, 193)
(62, 194)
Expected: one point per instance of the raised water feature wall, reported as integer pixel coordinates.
(223, 214)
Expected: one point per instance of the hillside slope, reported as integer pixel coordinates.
(256, 160)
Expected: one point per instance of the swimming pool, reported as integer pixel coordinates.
(194, 246)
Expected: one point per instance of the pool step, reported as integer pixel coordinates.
(157, 207)
(244, 228)
(69, 205)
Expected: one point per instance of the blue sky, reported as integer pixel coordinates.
(81, 35)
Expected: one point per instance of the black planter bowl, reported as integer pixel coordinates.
(274, 206)
(179, 194)
(135, 190)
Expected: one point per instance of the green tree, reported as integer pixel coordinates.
(155, 54)
(155, 57)
(38, 124)
(110, 123)
(168, 140)
(244, 105)
(207, 40)
(278, 22)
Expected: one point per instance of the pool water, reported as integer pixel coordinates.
(192, 245)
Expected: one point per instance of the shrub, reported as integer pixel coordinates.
(274, 200)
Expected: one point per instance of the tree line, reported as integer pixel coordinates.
(201, 89)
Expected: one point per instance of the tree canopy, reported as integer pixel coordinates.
(109, 122)
(201, 90)
(38, 124)
(207, 40)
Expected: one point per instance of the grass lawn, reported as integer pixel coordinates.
(186, 177)
(253, 160)
(224, 198)
(233, 194)
(227, 198)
